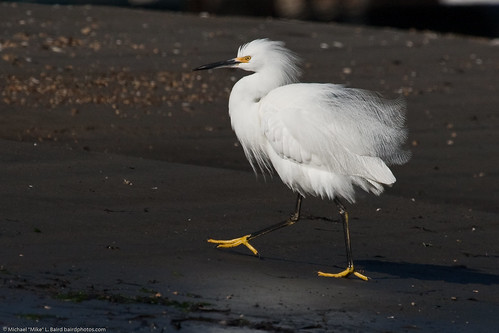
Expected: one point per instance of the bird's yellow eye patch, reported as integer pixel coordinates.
(245, 59)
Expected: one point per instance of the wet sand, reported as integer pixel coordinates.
(119, 162)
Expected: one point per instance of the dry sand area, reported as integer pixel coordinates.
(118, 162)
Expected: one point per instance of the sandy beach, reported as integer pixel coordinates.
(118, 163)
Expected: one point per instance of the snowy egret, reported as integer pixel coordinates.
(321, 139)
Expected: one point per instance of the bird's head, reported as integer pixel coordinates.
(260, 55)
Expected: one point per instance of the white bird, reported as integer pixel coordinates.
(321, 139)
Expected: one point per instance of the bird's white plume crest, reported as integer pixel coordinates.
(273, 56)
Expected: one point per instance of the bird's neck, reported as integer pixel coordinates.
(244, 99)
(252, 88)
(244, 104)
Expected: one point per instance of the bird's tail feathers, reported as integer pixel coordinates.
(374, 169)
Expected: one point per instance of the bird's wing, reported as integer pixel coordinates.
(329, 127)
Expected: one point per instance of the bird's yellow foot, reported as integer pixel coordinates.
(235, 242)
(345, 273)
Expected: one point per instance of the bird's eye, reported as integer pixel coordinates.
(247, 58)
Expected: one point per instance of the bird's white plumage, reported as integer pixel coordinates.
(320, 138)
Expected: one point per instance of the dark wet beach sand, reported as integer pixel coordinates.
(118, 163)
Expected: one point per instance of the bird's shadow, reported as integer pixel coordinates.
(458, 274)
(451, 274)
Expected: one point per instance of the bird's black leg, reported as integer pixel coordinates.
(346, 230)
(290, 221)
(244, 240)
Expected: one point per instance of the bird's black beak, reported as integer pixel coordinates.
(221, 64)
